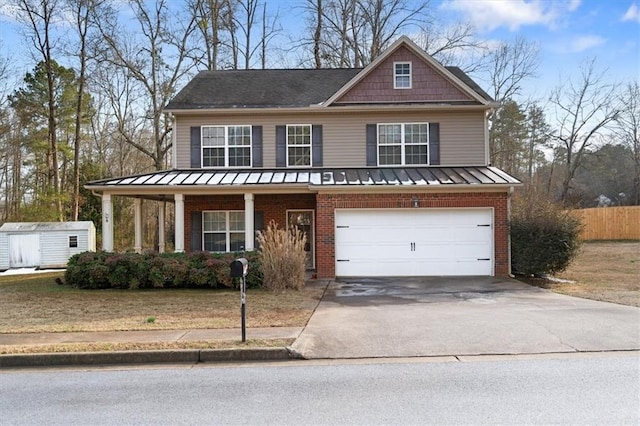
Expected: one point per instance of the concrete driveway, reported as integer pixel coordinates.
(406, 317)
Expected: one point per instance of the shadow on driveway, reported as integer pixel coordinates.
(433, 316)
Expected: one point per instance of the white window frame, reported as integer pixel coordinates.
(403, 143)
(397, 76)
(227, 231)
(226, 147)
(310, 144)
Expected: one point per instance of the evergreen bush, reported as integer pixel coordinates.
(104, 270)
(544, 237)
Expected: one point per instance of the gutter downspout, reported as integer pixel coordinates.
(509, 195)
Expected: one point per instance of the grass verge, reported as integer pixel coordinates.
(111, 347)
(35, 303)
(607, 271)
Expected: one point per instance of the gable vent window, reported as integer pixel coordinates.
(402, 75)
(73, 241)
(226, 146)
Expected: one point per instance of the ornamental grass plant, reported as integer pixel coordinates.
(282, 257)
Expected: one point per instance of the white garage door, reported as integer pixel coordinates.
(414, 242)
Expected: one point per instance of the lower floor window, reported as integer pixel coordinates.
(223, 231)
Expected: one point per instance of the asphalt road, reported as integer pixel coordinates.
(578, 389)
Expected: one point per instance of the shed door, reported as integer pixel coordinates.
(24, 250)
(414, 242)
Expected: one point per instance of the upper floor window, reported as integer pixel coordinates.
(403, 144)
(402, 75)
(299, 145)
(226, 146)
(223, 230)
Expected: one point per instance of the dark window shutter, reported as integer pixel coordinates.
(434, 144)
(196, 231)
(256, 145)
(258, 225)
(196, 148)
(316, 140)
(372, 144)
(281, 146)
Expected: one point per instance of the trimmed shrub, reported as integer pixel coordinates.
(544, 238)
(282, 257)
(105, 270)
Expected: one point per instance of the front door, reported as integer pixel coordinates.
(303, 220)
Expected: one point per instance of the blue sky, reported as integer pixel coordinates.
(568, 32)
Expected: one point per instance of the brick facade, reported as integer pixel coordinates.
(327, 203)
(274, 207)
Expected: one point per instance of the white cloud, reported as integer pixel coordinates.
(490, 14)
(573, 5)
(585, 42)
(632, 14)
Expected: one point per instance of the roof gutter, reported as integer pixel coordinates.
(314, 109)
(447, 187)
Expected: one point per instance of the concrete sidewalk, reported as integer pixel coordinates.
(147, 356)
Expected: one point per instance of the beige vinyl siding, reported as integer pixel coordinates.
(344, 143)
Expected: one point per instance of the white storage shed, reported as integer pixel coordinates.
(44, 244)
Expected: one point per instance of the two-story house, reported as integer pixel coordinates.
(385, 168)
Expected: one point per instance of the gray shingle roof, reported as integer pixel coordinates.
(261, 88)
(273, 88)
(462, 76)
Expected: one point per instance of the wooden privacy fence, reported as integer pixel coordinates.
(610, 223)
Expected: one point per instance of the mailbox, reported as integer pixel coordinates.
(239, 268)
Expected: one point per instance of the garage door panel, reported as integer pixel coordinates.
(364, 267)
(414, 242)
(377, 251)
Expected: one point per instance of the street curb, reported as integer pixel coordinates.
(190, 356)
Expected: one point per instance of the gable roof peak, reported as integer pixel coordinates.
(453, 74)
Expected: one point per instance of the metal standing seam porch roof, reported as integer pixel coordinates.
(315, 178)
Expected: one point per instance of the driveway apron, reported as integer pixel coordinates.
(408, 317)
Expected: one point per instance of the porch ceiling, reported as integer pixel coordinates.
(308, 179)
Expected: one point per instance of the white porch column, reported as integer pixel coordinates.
(179, 232)
(137, 225)
(161, 241)
(107, 223)
(249, 224)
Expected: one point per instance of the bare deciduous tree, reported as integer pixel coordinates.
(38, 15)
(455, 45)
(509, 65)
(212, 16)
(352, 33)
(81, 10)
(583, 110)
(628, 130)
(156, 62)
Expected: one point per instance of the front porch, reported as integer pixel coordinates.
(221, 210)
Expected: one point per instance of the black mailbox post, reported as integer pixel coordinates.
(239, 269)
